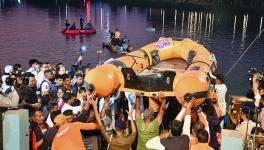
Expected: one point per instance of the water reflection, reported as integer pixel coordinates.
(163, 21)
(182, 23)
(175, 22)
(101, 17)
(244, 32)
(234, 28)
(260, 26)
(88, 11)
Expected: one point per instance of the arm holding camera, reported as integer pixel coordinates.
(255, 85)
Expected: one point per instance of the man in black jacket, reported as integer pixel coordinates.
(27, 93)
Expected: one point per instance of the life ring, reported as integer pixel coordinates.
(123, 73)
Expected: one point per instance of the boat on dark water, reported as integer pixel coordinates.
(78, 31)
(121, 46)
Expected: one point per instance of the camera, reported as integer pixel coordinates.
(252, 72)
(9, 81)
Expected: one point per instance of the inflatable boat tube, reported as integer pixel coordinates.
(124, 73)
(78, 31)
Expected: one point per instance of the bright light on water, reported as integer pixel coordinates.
(83, 49)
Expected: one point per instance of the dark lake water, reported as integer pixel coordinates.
(32, 30)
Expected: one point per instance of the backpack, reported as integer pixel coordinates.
(41, 85)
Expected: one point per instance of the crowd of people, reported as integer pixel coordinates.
(65, 113)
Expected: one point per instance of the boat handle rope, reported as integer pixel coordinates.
(133, 57)
(199, 61)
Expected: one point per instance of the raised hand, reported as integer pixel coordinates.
(130, 112)
(94, 102)
(161, 95)
(138, 94)
(189, 106)
(106, 100)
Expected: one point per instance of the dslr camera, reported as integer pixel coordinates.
(252, 72)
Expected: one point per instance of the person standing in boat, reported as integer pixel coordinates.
(81, 22)
(111, 34)
(73, 26)
(67, 24)
(117, 37)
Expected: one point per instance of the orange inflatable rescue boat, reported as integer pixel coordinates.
(128, 73)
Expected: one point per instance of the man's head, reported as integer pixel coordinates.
(175, 127)
(88, 87)
(148, 114)
(52, 106)
(197, 126)
(48, 75)
(19, 80)
(259, 132)
(34, 63)
(79, 79)
(246, 112)
(31, 81)
(212, 95)
(66, 80)
(220, 78)
(43, 66)
(202, 136)
(49, 66)
(61, 119)
(17, 68)
(38, 117)
(83, 92)
(61, 70)
(68, 98)
(69, 114)
(91, 113)
(59, 80)
(54, 114)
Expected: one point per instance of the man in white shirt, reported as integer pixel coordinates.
(221, 90)
(247, 125)
(40, 77)
(45, 86)
(34, 67)
(68, 99)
